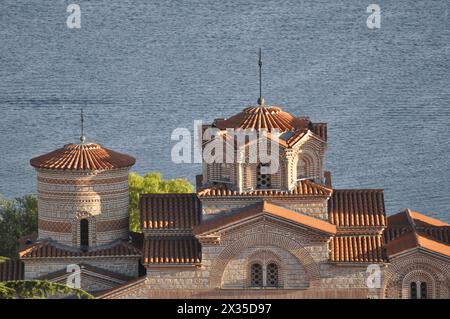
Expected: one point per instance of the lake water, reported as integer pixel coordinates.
(142, 69)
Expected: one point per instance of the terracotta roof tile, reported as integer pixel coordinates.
(264, 207)
(51, 249)
(172, 250)
(83, 157)
(170, 211)
(303, 188)
(357, 208)
(409, 229)
(263, 117)
(366, 249)
(411, 221)
(413, 240)
(433, 245)
(11, 269)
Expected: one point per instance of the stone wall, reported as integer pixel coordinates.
(35, 268)
(302, 257)
(66, 197)
(316, 207)
(417, 266)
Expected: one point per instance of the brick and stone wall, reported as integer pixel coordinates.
(35, 268)
(316, 207)
(66, 197)
(302, 258)
(417, 267)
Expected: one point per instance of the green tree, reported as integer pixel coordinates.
(19, 289)
(151, 183)
(18, 217)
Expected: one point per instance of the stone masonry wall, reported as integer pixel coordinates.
(66, 197)
(301, 255)
(315, 207)
(35, 268)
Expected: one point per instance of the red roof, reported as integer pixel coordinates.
(409, 230)
(83, 156)
(11, 269)
(169, 211)
(172, 250)
(303, 188)
(357, 208)
(262, 117)
(51, 249)
(268, 208)
(356, 249)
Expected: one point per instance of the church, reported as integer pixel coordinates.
(244, 233)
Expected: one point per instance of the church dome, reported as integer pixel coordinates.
(262, 117)
(89, 156)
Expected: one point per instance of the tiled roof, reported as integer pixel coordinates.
(357, 208)
(169, 211)
(11, 269)
(413, 240)
(268, 208)
(409, 229)
(173, 250)
(356, 249)
(263, 117)
(51, 249)
(83, 157)
(303, 188)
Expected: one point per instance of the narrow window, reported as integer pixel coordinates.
(423, 290)
(413, 291)
(84, 234)
(262, 180)
(272, 275)
(301, 168)
(256, 275)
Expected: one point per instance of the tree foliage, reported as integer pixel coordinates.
(151, 183)
(18, 217)
(21, 289)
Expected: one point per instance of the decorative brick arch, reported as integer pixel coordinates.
(419, 275)
(309, 159)
(268, 239)
(416, 266)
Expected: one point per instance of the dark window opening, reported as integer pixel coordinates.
(423, 290)
(84, 234)
(413, 291)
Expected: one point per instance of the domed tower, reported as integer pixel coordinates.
(83, 195)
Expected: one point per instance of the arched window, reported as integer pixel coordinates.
(256, 275)
(84, 234)
(263, 180)
(272, 275)
(413, 291)
(423, 290)
(301, 169)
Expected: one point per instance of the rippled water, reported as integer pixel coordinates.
(142, 69)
